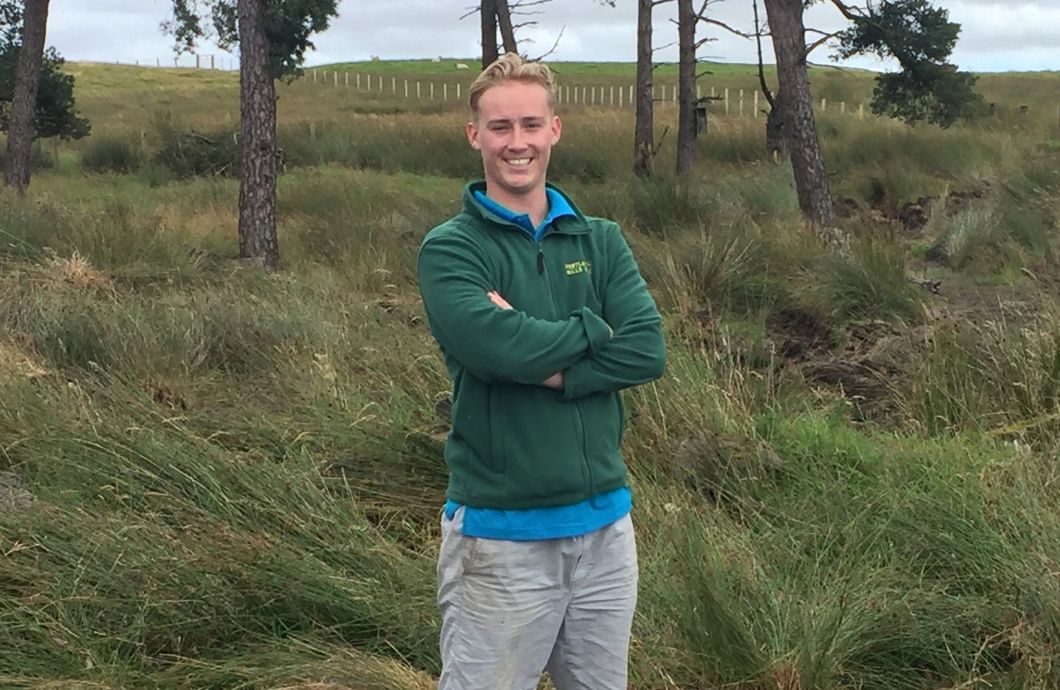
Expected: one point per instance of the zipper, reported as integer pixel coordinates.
(585, 453)
(543, 271)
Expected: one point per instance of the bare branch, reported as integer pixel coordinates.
(718, 22)
(820, 41)
(671, 44)
(838, 68)
(553, 48)
(847, 11)
(658, 147)
(470, 11)
(761, 68)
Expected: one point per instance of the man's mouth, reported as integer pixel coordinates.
(518, 162)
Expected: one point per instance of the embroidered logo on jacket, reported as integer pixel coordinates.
(576, 267)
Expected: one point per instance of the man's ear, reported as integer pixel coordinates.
(557, 129)
(472, 135)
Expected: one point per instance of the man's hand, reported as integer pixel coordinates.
(496, 298)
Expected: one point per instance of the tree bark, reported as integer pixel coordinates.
(257, 180)
(488, 18)
(776, 136)
(686, 117)
(798, 124)
(504, 20)
(644, 130)
(21, 122)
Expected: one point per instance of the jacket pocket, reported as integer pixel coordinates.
(604, 424)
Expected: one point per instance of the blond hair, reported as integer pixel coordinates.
(512, 67)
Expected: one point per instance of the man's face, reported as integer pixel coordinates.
(515, 130)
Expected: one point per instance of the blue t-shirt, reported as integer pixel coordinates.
(541, 523)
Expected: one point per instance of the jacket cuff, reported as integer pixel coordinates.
(596, 329)
(577, 379)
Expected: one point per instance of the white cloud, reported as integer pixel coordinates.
(995, 35)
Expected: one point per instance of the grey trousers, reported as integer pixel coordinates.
(512, 609)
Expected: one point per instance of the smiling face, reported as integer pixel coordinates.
(514, 128)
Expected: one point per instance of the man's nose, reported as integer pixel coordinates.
(518, 138)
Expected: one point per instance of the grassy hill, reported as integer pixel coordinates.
(211, 477)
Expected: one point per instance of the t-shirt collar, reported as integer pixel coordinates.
(558, 207)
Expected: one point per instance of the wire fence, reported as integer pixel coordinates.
(724, 100)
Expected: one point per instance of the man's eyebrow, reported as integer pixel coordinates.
(508, 120)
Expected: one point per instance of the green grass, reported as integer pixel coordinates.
(238, 475)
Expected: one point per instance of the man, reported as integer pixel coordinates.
(542, 317)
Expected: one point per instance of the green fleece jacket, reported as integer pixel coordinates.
(515, 443)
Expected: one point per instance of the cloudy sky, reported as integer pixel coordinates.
(997, 35)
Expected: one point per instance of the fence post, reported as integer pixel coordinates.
(842, 107)
(673, 94)
(335, 75)
(612, 96)
(393, 86)
(445, 91)
(346, 78)
(726, 100)
(406, 88)
(756, 103)
(417, 90)
(380, 83)
(432, 90)
(620, 92)
(861, 110)
(458, 92)
(631, 87)
(824, 104)
(741, 102)
(592, 95)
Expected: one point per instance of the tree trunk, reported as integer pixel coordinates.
(257, 179)
(644, 131)
(20, 131)
(776, 136)
(488, 18)
(504, 20)
(796, 106)
(686, 117)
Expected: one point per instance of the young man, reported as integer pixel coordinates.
(542, 317)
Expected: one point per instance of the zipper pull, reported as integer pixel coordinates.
(540, 261)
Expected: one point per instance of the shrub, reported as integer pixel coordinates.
(111, 154)
(192, 154)
(870, 285)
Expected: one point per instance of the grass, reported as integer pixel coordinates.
(238, 476)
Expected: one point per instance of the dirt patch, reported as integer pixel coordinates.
(799, 332)
(869, 366)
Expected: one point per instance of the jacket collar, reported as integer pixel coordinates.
(567, 224)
